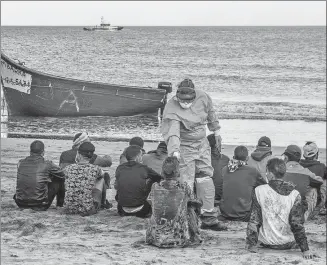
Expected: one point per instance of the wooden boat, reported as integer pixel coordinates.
(104, 26)
(32, 93)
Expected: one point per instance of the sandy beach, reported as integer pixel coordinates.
(52, 237)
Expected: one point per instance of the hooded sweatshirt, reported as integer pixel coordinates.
(277, 217)
(259, 159)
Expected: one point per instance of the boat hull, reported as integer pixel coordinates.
(31, 93)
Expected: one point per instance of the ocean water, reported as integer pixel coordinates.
(263, 80)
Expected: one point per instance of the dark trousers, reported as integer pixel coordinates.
(55, 188)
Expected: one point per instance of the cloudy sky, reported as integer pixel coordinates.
(163, 13)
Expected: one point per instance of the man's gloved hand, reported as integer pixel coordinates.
(177, 155)
(218, 142)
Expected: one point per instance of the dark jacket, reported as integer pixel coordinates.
(218, 162)
(68, 158)
(33, 175)
(259, 158)
(302, 177)
(154, 160)
(315, 166)
(295, 219)
(238, 187)
(133, 183)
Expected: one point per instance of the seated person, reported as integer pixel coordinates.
(154, 159)
(239, 182)
(84, 183)
(39, 181)
(277, 214)
(174, 221)
(69, 157)
(259, 158)
(134, 141)
(311, 162)
(218, 162)
(307, 183)
(133, 184)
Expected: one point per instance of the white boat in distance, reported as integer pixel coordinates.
(104, 26)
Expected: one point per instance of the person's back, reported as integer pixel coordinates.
(154, 159)
(277, 214)
(81, 180)
(297, 175)
(239, 181)
(174, 222)
(34, 174)
(133, 183)
(275, 229)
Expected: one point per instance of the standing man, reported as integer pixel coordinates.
(184, 130)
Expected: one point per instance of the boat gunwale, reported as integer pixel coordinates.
(32, 71)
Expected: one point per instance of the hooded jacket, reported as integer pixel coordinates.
(259, 158)
(276, 231)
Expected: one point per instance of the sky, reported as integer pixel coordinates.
(163, 13)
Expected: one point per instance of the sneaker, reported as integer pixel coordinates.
(216, 227)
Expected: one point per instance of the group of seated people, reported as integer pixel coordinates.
(275, 194)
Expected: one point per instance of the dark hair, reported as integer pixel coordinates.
(277, 167)
(76, 136)
(292, 157)
(170, 167)
(86, 149)
(37, 147)
(241, 153)
(137, 141)
(132, 152)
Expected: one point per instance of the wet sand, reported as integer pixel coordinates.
(52, 237)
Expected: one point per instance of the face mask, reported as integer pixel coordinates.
(185, 105)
